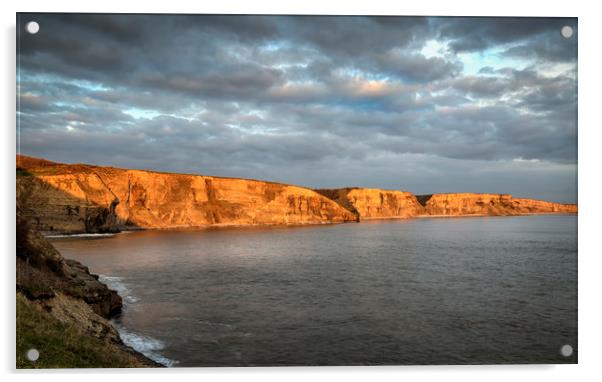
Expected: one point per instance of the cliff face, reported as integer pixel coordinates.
(82, 198)
(528, 206)
(488, 204)
(371, 203)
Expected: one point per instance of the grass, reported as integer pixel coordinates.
(23, 172)
(61, 345)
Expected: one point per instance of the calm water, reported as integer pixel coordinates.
(422, 291)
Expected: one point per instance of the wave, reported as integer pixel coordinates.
(80, 235)
(116, 283)
(146, 345)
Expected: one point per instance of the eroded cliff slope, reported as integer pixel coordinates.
(84, 198)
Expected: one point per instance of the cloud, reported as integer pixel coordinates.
(529, 36)
(317, 101)
(416, 67)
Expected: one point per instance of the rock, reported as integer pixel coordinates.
(81, 198)
(531, 206)
(103, 301)
(372, 203)
(76, 311)
(43, 273)
(463, 204)
(50, 288)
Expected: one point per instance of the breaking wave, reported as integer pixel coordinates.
(117, 284)
(80, 235)
(146, 345)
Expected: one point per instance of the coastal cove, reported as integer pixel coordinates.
(202, 190)
(377, 292)
(208, 271)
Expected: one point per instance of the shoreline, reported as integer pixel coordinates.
(65, 312)
(495, 216)
(143, 344)
(63, 235)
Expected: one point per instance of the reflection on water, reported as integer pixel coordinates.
(469, 290)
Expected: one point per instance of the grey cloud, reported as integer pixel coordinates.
(317, 101)
(482, 86)
(529, 38)
(416, 67)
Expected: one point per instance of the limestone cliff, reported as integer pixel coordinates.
(372, 203)
(532, 206)
(463, 204)
(369, 203)
(84, 198)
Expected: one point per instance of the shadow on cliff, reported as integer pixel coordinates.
(423, 199)
(51, 210)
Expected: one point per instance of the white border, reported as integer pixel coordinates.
(590, 187)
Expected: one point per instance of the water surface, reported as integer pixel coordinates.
(421, 291)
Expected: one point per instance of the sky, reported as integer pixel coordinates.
(426, 105)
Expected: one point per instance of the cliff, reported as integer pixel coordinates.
(532, 206)
(84, 198)
(62, 311)
(463, 204)
(372, 203)
(72, 198)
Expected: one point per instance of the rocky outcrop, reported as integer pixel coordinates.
(463, 204)
(372, 203)
(82, 198)
(65, 297)
(42, 273)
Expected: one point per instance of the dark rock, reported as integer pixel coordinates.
(42, 272)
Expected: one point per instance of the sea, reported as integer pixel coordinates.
(466, 290)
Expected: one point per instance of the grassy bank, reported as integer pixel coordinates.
(61, 345)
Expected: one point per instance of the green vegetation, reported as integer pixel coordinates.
(61, 345)
(23, 172)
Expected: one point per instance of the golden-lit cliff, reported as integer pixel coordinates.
(84, 198)
(463, 204)
(373, 203)
(370, 203)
